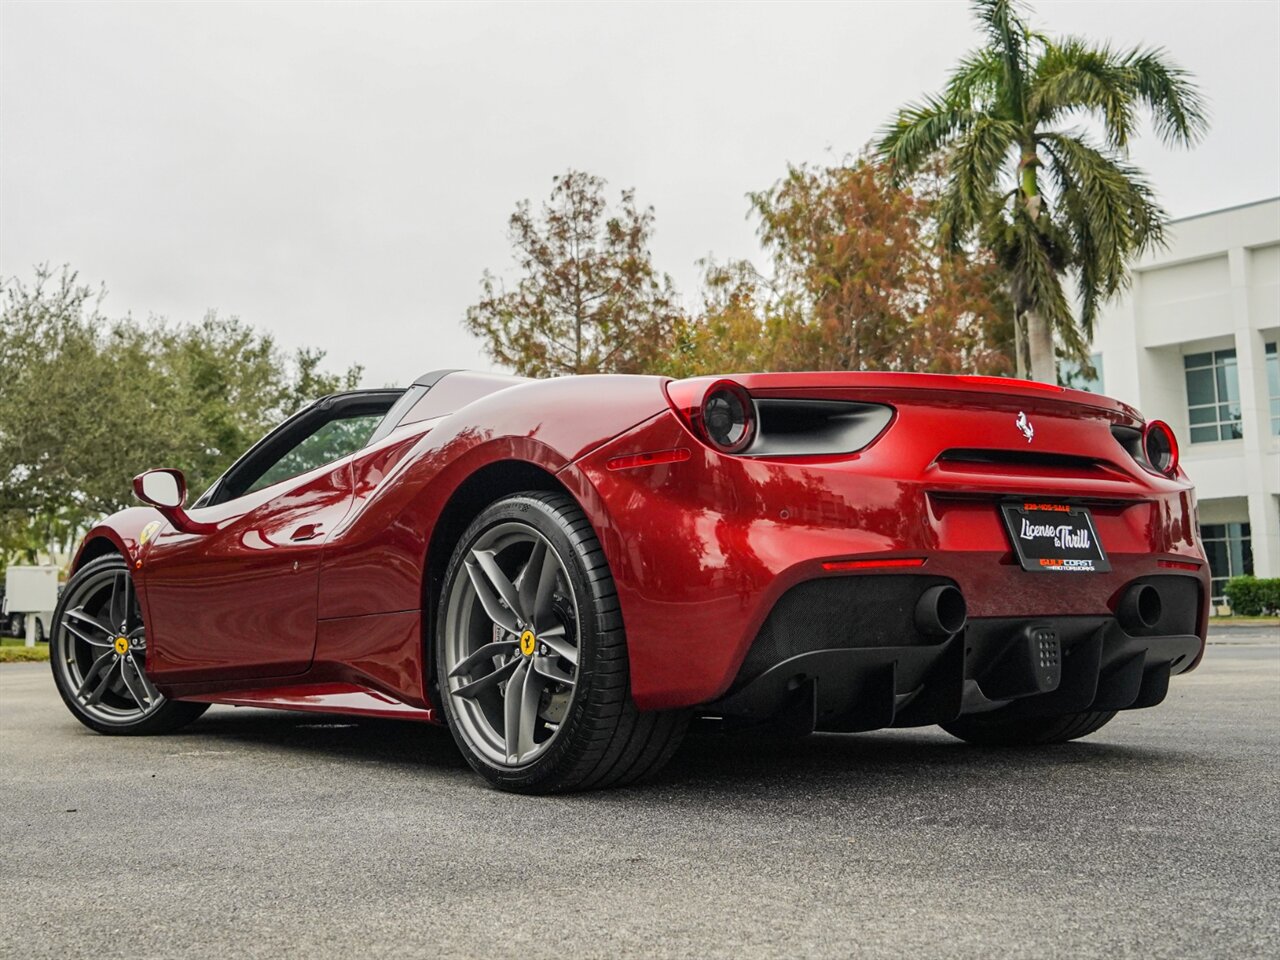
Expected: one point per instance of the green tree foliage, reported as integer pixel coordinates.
(860, 280)
(588, 299)
(87, 402)
(1045, 196)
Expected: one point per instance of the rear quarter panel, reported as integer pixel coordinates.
(375, 559)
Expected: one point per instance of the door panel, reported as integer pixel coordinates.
(242, 602)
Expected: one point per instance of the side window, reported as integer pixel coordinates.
(333, 441)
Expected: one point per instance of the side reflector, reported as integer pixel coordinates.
(679, 455)
(1177, 565)
(868, 564)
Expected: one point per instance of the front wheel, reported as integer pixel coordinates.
(1027, 731)
(531, 658)
(98, 651)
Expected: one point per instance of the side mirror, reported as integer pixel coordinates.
(166, 490)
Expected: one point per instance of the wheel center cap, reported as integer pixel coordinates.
(122, 645)
(528, 643)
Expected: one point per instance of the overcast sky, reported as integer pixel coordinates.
(342, 174)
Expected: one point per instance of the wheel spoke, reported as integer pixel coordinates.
(132, 685)
(484, 654)
(548, 667)
(471, 690)
(81, 635)
(530, 694)
(506, 589)
(520, 710)
(92, 673)
(490, 600)
(152, 693)
(118, 609)
(90, 620)
(140, 688)
(104, 682)
(511, 710)
(542, 609)
(527, 581)
(555, 639)
(130, 604)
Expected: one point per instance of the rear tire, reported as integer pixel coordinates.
(105, 686)
(1027, 731)
(558, 647)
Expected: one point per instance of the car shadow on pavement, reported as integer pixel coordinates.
(709, 756)
(393, 742)
(878, 762)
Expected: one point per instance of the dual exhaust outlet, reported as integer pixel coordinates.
(942, 612)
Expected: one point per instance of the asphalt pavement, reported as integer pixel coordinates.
(264, 834)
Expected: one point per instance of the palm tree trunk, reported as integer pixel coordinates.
(1019, 347)
(1044, 365)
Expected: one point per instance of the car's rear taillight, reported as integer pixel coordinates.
(727, 417)
(1160, 447)
(721, 414)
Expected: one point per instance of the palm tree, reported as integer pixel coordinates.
(1046, 197)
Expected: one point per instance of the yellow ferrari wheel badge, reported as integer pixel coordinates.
(122, 645)
(528, 642)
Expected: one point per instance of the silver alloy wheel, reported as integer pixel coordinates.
(101, 647)
(511, 644)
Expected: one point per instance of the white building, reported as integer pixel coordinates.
(1194, 343)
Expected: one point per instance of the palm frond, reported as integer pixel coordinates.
(1073, 75)
(974, 165)
(1036, 278)
(975, 82)
(920, 131)
(1110, 211)
(1009, 38)
(1179, 113)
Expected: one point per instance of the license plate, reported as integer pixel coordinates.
(1054, 538)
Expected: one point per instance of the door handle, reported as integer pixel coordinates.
(308, 531)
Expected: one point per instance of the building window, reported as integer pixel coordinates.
(1230, 553)
(1213, 396)
(1273, 387)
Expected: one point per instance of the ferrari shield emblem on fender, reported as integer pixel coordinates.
(1024, 425)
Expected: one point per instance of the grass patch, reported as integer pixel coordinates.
(16, 651)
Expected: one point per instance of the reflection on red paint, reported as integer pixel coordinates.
(1006, 382)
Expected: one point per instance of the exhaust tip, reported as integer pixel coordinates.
(941, 611)
(1140, 607)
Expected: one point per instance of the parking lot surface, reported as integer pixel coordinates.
(256, 834)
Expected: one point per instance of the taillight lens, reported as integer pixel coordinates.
(1160, 447)
(727, 417)
(721, 414)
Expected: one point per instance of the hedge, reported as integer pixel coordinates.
(1253, 596)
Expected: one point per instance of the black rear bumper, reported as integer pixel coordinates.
(1019, 667)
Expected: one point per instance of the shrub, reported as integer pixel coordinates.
(1253, 596)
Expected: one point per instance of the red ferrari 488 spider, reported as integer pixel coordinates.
(565, 571)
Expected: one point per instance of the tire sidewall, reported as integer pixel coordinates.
(553, 523)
